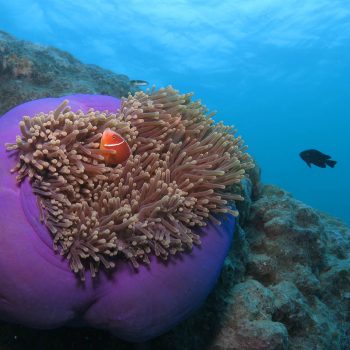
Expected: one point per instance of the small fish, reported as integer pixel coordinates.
(114, 148)
(312, 156)
(138, 82)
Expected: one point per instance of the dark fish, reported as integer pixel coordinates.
(312, 156)
(139, 82)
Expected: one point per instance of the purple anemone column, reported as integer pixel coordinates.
(37, 287)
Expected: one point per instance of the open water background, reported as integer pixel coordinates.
(278, 70)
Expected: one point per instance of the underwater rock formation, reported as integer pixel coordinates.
(285, 285)
(29, 71)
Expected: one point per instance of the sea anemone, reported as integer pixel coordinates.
(161, 220)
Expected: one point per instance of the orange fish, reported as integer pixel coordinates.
(111, 141)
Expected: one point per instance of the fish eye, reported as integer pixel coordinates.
(114, 137)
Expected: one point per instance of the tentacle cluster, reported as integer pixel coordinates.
(183, 171)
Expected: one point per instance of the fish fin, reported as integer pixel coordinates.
(320, 163)
(331, 163)
(309, 164)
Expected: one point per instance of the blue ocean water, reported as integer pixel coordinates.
(278, 70)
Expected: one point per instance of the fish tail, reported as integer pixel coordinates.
(331, 163)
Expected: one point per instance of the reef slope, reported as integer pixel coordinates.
(29, 71)
(285, 284)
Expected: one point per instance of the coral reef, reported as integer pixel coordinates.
(29, 71)
(285, 285)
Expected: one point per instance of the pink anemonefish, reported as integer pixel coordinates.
(112, 141)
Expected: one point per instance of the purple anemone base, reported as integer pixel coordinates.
(37, 287)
